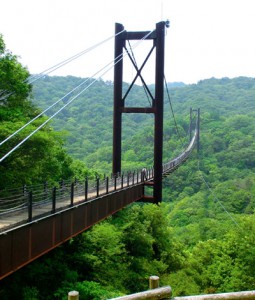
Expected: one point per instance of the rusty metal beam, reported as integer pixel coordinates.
(23, 244)
(159, 106)
(141, 110)
(138, 35)
(118, 103)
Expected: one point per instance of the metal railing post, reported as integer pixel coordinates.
(30, 206)
(86, 189)
(72, 193)
(97, 187)
(107, 185)
(115, 183)
(54, 200)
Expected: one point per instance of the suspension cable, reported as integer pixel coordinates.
(66, 61)
(51, 117)
(115, 61)
(36, 77)
(39, 115)
(171, 106)
(48, 71)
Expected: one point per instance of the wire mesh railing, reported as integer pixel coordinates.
(32, 201)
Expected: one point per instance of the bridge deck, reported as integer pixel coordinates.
(33, 228)
(21, 245)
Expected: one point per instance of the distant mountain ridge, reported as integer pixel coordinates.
(88, 120)
(176, 84)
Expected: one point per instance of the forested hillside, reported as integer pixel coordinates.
(201, 239)
(227, 110)
(36, 159)
(88, 121)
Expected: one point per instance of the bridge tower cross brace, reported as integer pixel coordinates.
(157, 107)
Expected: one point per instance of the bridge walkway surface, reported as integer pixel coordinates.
(35, 227)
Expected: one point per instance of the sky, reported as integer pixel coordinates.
(206, 38)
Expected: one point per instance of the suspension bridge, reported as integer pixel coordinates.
(35, 221)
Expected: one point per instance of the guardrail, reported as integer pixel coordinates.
(41, 200)
(246, 295)
(165, 293)
(28, 203)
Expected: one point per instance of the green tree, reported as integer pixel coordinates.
(104, 255)
(14, 89)
(42, 157)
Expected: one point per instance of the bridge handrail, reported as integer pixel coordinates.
(69, 193)
(177, 161)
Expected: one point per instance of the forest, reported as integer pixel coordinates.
(199, 240)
